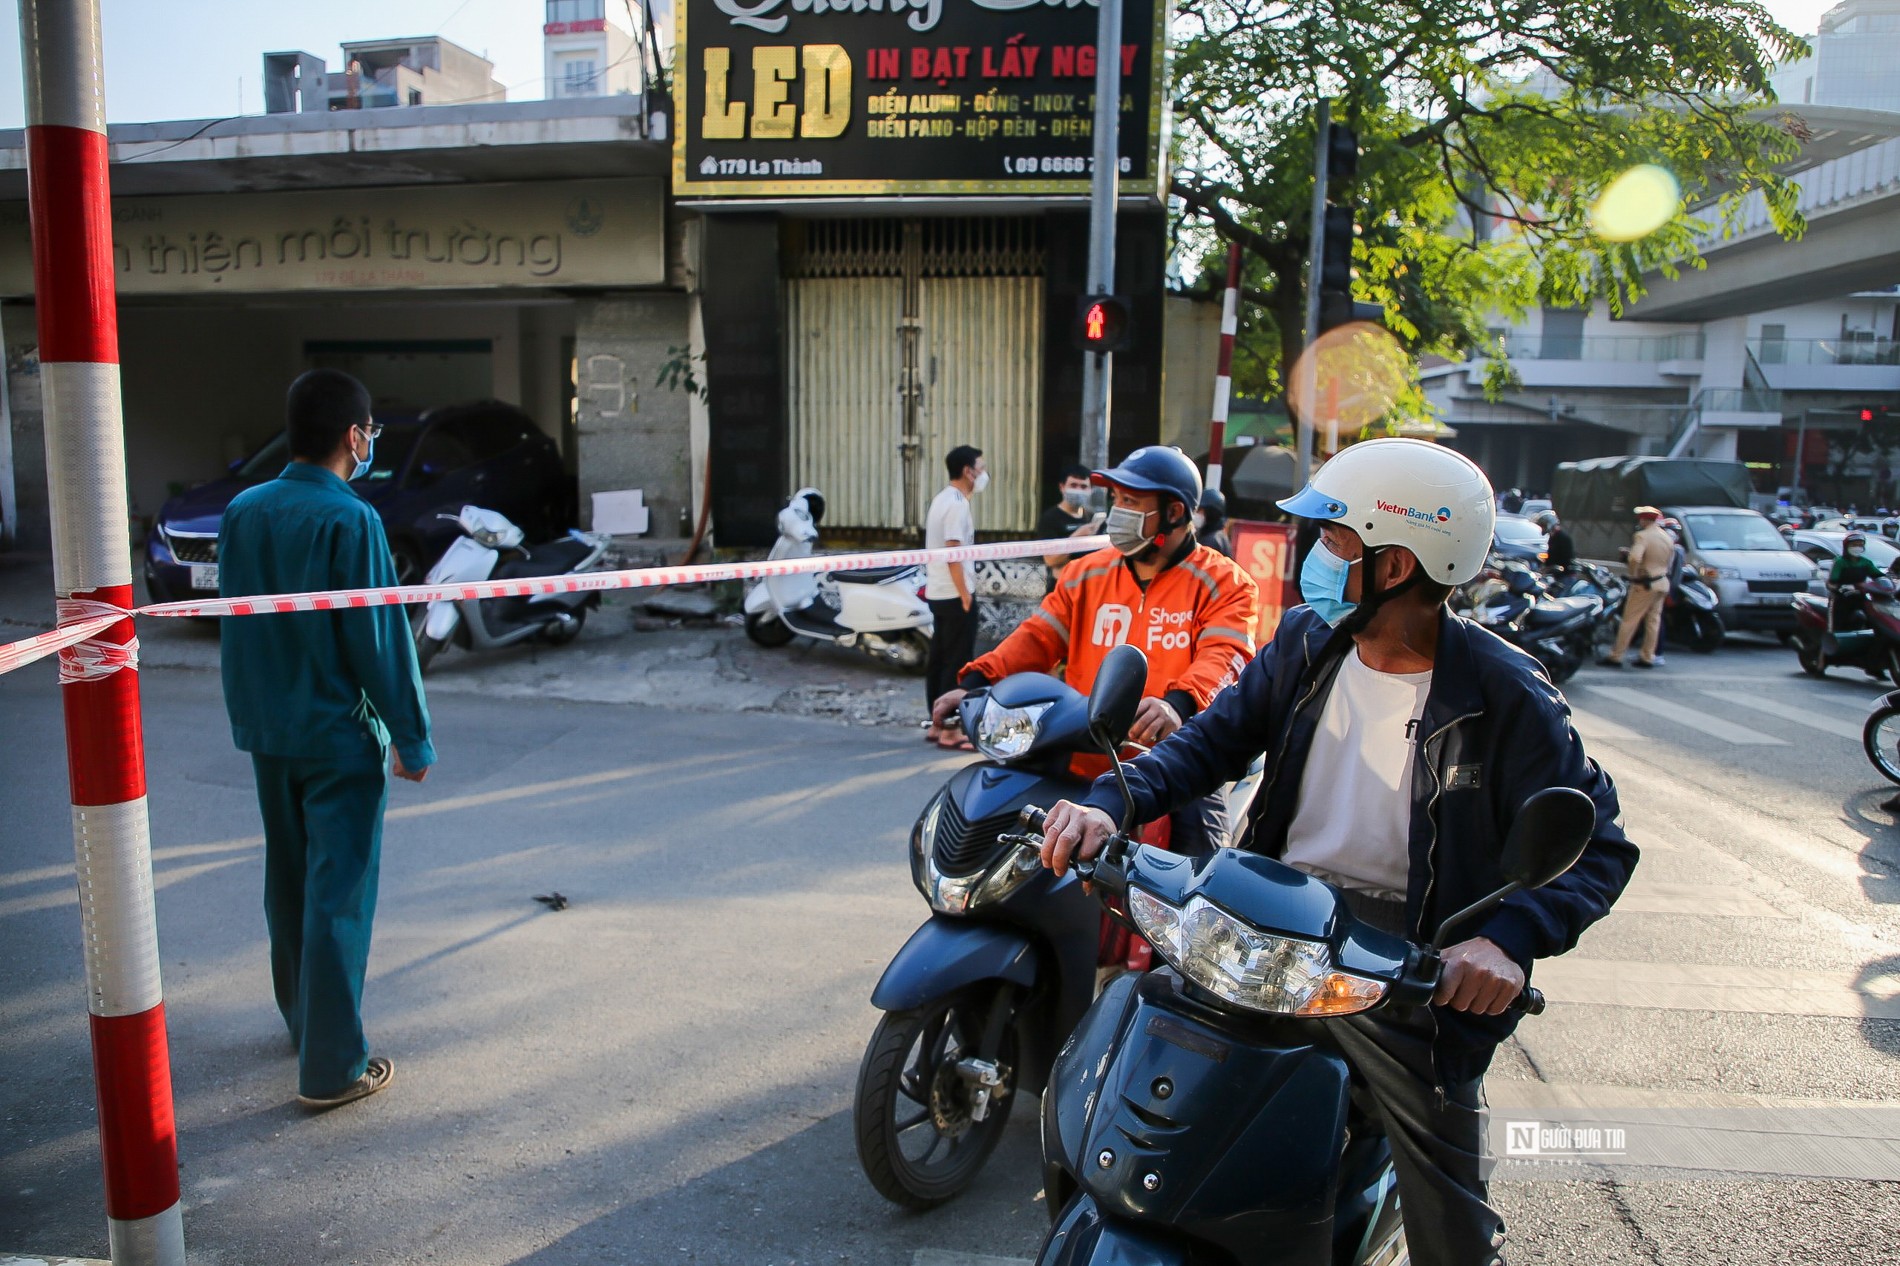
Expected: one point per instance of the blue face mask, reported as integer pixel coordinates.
(369, 457)
(1323, 584)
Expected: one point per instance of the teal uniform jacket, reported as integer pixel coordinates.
(316, 684)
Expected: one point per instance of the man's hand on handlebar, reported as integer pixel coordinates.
(1155, 719)
(1478, 977)
(1071, 833)
(945, 707)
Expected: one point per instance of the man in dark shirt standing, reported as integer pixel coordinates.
(318, 698)
(1560, 551)
(1065, 518)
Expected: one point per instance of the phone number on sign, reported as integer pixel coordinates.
(1057, 165)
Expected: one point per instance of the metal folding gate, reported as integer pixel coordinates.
(905, 339)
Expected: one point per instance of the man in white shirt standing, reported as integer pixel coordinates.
(947, 585)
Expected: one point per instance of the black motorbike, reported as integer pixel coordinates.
(1690, 617)
(980, 997)
(1200, 1114)
(1560, 632)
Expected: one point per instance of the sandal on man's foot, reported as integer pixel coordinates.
(377, 1076)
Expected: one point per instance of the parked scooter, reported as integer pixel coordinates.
(488, 624)
(879, 610)
(981, 996)
(1199, 1114)
(1690, 616)
(1559, 632)
(1874, 646)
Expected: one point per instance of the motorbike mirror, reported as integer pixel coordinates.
(1549, 835)
(1117, 693)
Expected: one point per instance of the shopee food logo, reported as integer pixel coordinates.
(1441, 515)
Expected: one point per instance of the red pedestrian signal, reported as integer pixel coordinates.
(1102, 324)
(1866, 415)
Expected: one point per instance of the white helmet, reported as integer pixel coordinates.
(1411, 493)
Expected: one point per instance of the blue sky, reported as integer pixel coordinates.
(198, 59)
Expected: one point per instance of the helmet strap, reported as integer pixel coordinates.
(1372, 599)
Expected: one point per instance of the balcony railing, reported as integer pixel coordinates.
(1826, 351)
(1618, 348)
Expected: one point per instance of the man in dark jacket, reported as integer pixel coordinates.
(1401, 742)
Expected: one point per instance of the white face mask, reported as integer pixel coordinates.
(982, 481)
(1075, 497)
(1855, 551)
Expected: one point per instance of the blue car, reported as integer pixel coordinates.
(489, 454)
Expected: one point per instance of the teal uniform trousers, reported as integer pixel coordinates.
(323, 823)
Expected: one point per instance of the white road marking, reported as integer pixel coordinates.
(1787, 712)
(1601, 729)
(1643, 897)
(1690, 718)
(1709, 987)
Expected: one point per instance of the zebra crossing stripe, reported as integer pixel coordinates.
(1690, 718)
(1787, 712)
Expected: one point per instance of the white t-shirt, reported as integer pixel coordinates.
(949, 520)
(1354, 816)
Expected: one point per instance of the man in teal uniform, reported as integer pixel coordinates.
(318, 698)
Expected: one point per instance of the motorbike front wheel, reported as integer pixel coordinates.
(1705, 632)
(427, 648)
(1881, 737)
(767, 629)
(917, 1139)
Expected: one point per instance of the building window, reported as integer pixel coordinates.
(576, 10)
(1562, 334)
(1774, 344)
(577, 79)
(415, 96)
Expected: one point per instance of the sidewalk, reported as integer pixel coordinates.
(694, 666)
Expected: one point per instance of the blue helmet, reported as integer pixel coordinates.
(1155, 468)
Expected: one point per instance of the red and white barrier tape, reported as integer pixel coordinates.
(85, 657)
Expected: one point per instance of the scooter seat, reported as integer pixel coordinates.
(1558, 610)
(869, 575)
(551, 558)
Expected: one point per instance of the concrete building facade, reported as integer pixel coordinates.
(517, 252)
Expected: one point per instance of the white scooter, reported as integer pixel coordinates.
(488, 624)
(880, 610)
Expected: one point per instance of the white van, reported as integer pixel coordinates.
(1750, 565)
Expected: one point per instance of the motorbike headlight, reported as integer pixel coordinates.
(1006, 733)
(923, 838)
(959, 894)
(1280, 975)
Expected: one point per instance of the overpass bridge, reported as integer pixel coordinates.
(1849, 173)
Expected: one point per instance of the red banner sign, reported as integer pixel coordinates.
(1266, 552)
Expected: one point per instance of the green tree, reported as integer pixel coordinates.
(1487, 130)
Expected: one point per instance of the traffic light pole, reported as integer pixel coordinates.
(1098, 367)
(1308, 367)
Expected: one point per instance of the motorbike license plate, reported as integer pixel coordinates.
(204, 576)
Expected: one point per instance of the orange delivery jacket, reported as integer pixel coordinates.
(1195, 622)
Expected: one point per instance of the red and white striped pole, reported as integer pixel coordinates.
(71, 216)
(1224, 373)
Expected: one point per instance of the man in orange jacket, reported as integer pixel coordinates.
(1190, 609)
